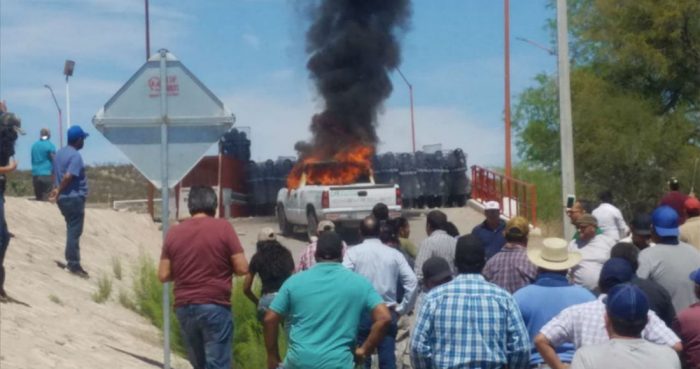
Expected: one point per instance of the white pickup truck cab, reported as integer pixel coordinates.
(345, 205)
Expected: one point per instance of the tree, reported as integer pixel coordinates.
(635, 99)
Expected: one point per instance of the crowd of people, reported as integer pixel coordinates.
(57, 176)
(615, 296)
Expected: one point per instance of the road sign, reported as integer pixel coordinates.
(164, 120)
(132, 119)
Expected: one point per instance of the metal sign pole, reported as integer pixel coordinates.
(165, 199)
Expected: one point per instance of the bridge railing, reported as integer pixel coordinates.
(514, 196)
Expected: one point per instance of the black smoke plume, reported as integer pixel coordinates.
(352, 46)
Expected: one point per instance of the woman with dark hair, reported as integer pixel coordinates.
(273, 263)
(9, 127)
(407, 245)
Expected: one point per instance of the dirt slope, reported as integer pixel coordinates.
(62, 327)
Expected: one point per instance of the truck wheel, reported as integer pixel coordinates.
(285, 227)
(312, 224)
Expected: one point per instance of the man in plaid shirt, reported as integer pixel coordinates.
(308, 257)
(468, 322)
(510, 268)
(584, 324)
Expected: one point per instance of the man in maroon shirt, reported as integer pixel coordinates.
(687, 326)
(200, 255)
(675, 199)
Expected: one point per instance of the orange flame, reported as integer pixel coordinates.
(345, 167)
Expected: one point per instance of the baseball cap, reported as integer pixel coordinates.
(329, 246)
(267, 234)
(436, 269)
(692, 203)
(517, 227)
(665, 221)
(492, 205)
(325, 225)
(75, 133)
(615, 271)
(627, 302)
(587, 219)
(695, 276)
(641, 224)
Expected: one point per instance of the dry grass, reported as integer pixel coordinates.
(107, 183)
(104, 289)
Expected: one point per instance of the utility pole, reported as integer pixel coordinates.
(568, 182)
(506, 16)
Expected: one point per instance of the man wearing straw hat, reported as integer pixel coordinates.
(550, 293)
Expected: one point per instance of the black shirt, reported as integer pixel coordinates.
(272, 273)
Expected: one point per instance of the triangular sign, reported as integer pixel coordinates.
(133, 119)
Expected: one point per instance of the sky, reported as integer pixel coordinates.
(251, 54)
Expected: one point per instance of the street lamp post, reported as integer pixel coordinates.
(413, 125)
(68, 68)
(506, 15)
(60, 119)
(537, 45)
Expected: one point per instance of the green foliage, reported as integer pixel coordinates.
(126, 301)
(148, 298)
(117, 268)
(104, 289)
(248, 340)
(635, 94)
(55, 299)
(548, 185)
(647, 46)
(536, 120)
(248, 344)
(623, 145)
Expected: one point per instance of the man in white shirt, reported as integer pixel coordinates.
(595, 251)
(626, 315)
(610, 219)
(384, 267)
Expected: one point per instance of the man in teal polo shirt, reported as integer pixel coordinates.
(324, 305)
(43, 152)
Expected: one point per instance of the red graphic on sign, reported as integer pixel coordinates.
(172, 86)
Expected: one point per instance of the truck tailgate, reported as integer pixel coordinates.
(361, 196)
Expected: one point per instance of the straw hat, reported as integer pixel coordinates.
(554, 255)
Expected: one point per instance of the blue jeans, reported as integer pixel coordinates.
(4, 241)
(264, 305)
(73, 210)
(207, 330)
(386, 349)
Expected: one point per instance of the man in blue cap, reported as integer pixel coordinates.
(626, 309)
(670, 261)
(70, 192)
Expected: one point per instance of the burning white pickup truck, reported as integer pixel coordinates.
(307, 201)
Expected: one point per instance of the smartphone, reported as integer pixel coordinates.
(570, 199)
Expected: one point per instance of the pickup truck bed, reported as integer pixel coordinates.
(346, 204)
